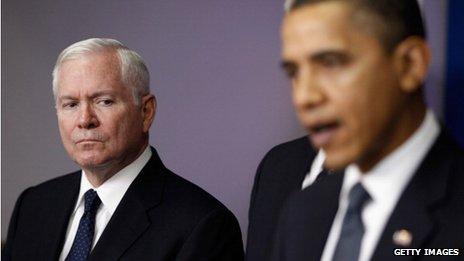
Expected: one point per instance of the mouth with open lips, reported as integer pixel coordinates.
(321, 133)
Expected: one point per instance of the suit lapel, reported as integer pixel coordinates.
(410, 216)
(413, 213)
(323, 198)
(55, 223)
(130, 220)
(303, 164)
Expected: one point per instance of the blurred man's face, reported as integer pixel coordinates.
(345, 90)
(100, 125)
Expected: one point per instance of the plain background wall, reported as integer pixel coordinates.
(222, 98)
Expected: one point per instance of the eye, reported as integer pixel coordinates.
(333, 60)
(105, 102)
(290, 69)
(69, 105)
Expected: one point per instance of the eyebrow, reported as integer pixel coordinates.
(317, 56)
(94, 95)
(321, 55)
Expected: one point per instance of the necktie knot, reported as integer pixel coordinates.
(357, 198)
(92, 201)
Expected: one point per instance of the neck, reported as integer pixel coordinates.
(400, 131)
(100, 174)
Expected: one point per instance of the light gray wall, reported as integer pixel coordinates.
(222, 99)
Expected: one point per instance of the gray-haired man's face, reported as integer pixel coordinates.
(100, 125)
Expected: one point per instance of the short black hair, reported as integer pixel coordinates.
(400, 19)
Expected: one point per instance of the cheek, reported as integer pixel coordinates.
(295, 95)
(65, 128)
(370, 111)
(124, 132)
(124, 128)
(354, 104)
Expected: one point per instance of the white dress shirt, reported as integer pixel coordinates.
(385, 183)
(316, 168)
(110, 194)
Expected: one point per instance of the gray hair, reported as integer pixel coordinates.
(134, 72)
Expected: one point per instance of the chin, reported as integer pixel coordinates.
(92, 162)
(337, 160)
(335, 166)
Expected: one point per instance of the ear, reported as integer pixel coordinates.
(148, 110)
(412, 58)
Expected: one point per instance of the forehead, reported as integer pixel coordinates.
(321, 25)
(89, 70)
(101, 61)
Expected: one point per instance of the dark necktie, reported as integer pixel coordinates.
(349, 243)
(82, 244)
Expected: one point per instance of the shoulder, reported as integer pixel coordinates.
(206, 226)
(175, 192)
(289, 158)
(452, 155)
(282, 170)
(289, 149)
(190, 202)
(446, 157)
(286, 162)
(53, 188)
(189, 194)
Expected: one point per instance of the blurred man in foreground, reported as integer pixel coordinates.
(357, 69)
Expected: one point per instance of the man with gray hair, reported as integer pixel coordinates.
(124, 204)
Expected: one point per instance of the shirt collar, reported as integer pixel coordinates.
(316, 168)
(112, 190)
(387, 180)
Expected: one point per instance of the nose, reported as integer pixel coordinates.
(307, 91)
(87, 118)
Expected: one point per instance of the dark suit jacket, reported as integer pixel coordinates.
(280, 172)
(431, 208)
(161, 217)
